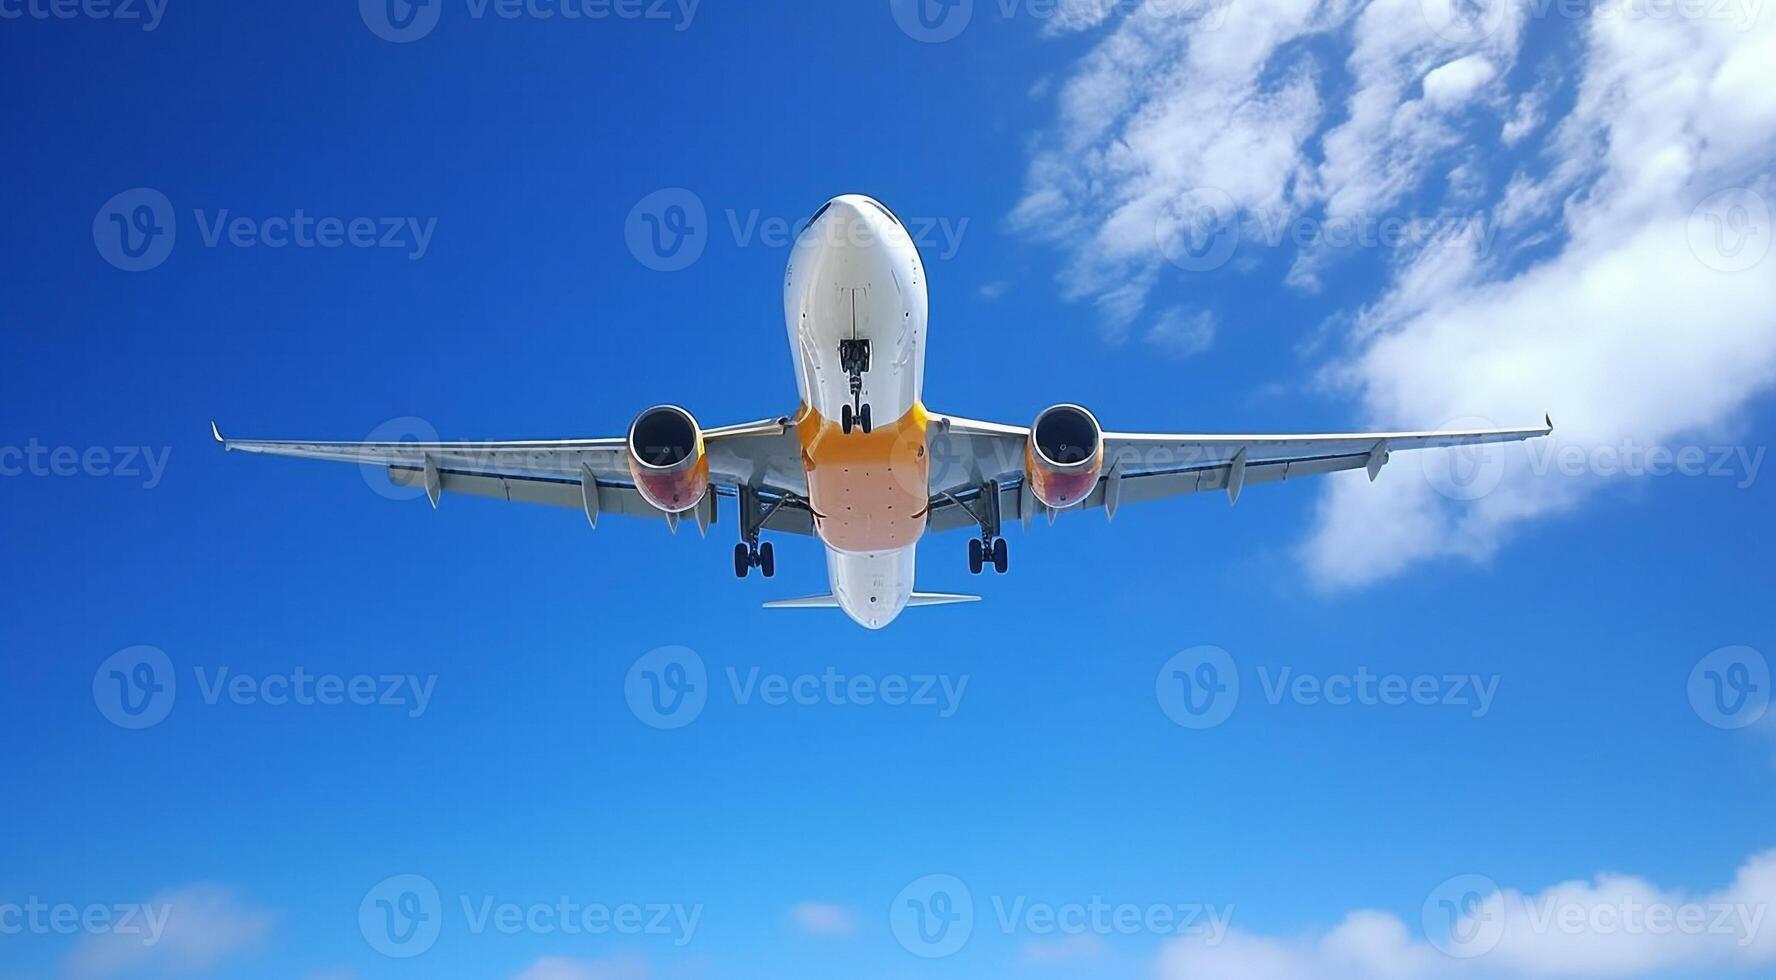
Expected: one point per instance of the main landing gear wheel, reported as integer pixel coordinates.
(762, 557)
(989, 548)
(752, 553)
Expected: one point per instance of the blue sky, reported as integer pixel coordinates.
(1592, 241)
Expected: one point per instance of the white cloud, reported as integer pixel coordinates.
(564, 968)
(1616, 926)
(1163, 107)
(1181, 332)
(1637, 331)
(1588, 288)
(823, 919)
(204, 924)
(1456, 82)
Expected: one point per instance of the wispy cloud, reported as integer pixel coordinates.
(1622, 282)
(1614, 926)
(565, 968)
(823, 919)
(204, 925)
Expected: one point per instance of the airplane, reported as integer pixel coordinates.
(862, 465)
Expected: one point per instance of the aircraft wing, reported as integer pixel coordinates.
(583, 474)
(967, 454)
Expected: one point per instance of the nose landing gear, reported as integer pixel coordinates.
(854, 357)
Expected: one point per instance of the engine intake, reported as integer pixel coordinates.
(666, 458)
(1065, 456)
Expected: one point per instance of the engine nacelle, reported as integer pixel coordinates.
(1065, 455)
(666, 459)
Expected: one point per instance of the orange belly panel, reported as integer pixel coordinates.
(869, 491)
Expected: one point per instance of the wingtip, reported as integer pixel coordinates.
(1548, 417)
(216, 433)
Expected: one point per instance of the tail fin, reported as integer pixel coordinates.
(829, 602)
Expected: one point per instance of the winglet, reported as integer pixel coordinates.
(217, 433)
(1548, 417)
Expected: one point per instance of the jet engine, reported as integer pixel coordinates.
(1065, 455)
(667, 460)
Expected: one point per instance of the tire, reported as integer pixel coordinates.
(767, 559)
(845, 419)
(976, 557)
(742, 561)
(1001, 556)
(864, 419)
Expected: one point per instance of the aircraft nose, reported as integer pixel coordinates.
(853, 219)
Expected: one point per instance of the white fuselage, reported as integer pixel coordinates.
(855, 274)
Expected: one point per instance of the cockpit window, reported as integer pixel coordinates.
(817, 214)
(882, 208)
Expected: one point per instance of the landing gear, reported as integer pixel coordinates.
(760, 556)
(989, 548)
(854, 357)
(751, 553)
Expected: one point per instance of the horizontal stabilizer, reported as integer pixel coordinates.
(806, 602)
(830, 602)
(939, 599)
